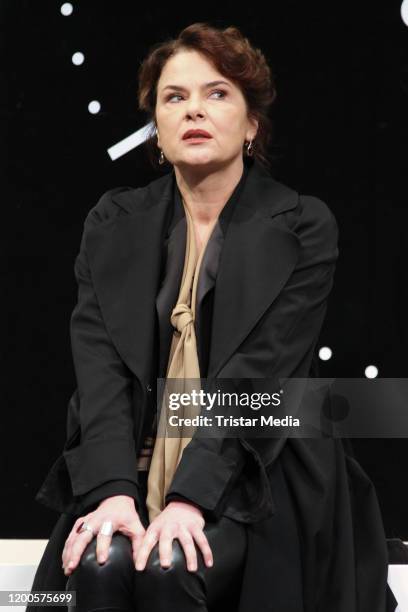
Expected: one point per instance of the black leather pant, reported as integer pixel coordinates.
(117, 585)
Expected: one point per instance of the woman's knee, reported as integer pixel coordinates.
(178, 560)
(176, 574)
(119, 559)
(104, 585)
(156, 586)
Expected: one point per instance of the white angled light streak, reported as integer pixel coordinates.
(130, 142)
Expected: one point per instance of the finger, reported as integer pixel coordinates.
(166, 546)
(135, 531)
(71, 538)
(66, 553)
(67, 543)
(187, 543)
(150, 538)
(203, 544)
(103, 541)
(78, 547)
(136, 539)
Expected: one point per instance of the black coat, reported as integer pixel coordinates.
(315, 534)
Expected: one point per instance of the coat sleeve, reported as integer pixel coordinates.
(288, 332)
(91, 500)
(104, 461)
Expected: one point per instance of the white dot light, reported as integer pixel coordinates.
(78, 58)
(94, 107)
(325, 353)
(404, 12)
(66, 9)
(371, 371)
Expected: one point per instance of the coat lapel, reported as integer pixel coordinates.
(257, 258)
(169, 291)
(125, 258)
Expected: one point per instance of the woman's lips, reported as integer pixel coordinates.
(196, 138)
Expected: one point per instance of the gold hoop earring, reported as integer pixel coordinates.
(161, 158)
(249, 149)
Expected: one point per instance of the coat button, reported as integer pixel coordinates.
(149, 389)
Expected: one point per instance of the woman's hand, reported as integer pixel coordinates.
(178, 520)
(121, 511)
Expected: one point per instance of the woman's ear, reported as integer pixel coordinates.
(252, 132)
(156, 132)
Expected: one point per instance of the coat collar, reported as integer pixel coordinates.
(125, 257)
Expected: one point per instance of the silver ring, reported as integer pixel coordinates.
(86, 527)
(107, 528)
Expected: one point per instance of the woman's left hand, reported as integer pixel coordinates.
(178, 520)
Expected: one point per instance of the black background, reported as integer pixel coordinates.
(340, 134)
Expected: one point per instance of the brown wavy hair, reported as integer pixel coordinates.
(234, 57)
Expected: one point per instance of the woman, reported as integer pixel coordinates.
(214, 270)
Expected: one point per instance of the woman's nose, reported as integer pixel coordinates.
(194, 105)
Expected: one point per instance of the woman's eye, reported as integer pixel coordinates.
(219, 91)
(171, 96)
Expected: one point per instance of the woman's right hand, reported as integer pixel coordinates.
(121, 511)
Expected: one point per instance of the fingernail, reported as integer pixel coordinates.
(71, 565)
(139, 566)
(209, 563)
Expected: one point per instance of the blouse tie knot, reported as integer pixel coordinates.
(181, 316)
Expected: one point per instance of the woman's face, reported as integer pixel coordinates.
(192, 103)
